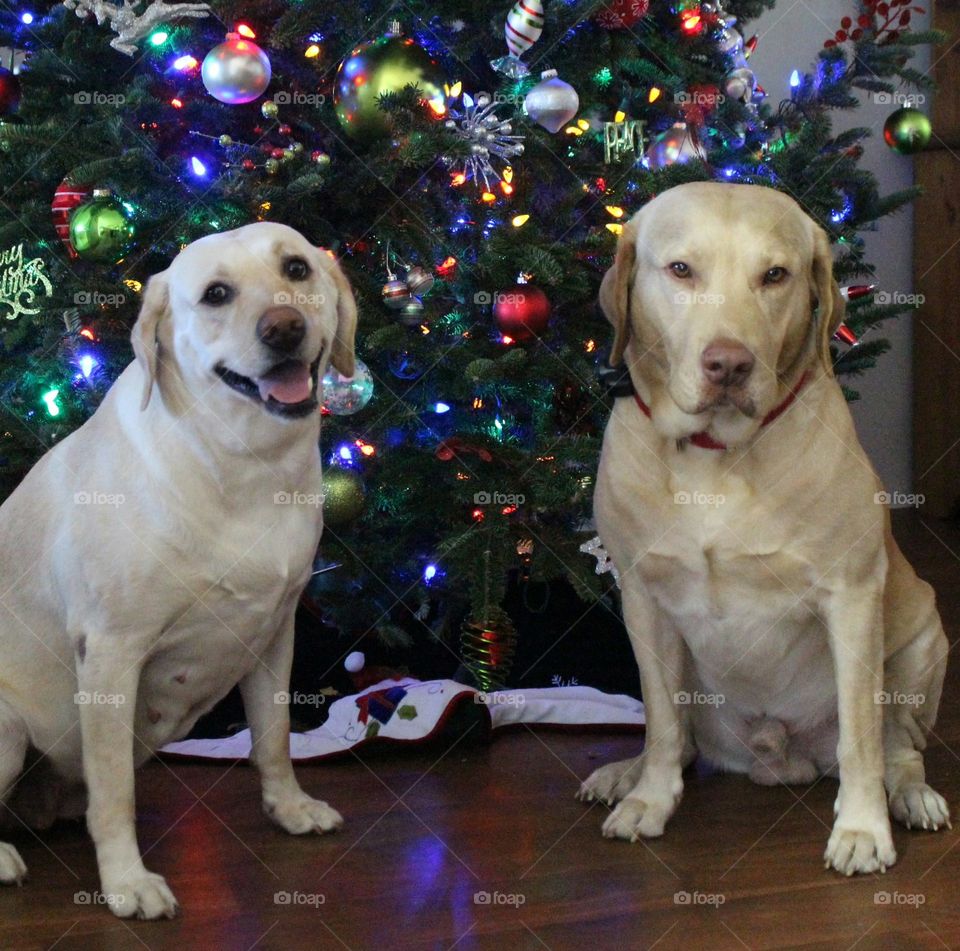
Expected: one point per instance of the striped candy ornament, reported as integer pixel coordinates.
(524, 26)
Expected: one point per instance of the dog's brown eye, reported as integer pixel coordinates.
(216, 294)
(680, 268)
(775, 275)
(296, 269)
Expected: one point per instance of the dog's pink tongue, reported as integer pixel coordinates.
(287, 383)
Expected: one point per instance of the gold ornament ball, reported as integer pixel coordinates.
(270, 110)
(344, 497)
(907, 131)
(386, 64)
(272, 166)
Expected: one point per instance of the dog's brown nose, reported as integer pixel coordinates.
(281, 329)
(726, 362)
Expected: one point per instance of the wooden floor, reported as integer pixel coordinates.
(739, 867)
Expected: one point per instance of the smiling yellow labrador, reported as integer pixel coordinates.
(778, 628)
(156, 564)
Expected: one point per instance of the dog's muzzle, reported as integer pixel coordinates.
(288, 388)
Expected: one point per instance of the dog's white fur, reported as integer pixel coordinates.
(776, 599)
(185, 580)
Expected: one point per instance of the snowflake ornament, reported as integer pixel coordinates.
(488, 135)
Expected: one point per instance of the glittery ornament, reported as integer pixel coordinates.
(344, 497)
(386, 64)
(907, 131)
(552, 103)
(487, 134)
(236, 71)
(604, 564)
(346, 395)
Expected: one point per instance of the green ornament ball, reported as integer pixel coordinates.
(386, 64)
(101, 230)
(344, 497)
(907, 131)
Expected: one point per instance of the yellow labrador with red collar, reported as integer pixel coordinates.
(156, 564)
(778, 628)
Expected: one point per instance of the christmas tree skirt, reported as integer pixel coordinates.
(413, 711)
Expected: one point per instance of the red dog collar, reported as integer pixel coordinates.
(708, 442)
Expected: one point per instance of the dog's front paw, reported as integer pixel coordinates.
(301, 814)
(610, 783)
(12, 868)
(142, 895)
(635, 817)
(918, 806)
(860, 850)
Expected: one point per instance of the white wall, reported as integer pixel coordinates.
(790, 37)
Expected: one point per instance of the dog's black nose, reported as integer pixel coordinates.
(727, 363)
(281, 329)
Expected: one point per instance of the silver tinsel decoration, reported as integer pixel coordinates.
(604, 564)
(487, 134)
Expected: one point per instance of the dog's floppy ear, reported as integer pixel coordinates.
(155, 307)
(342, 352)
(615, 292)
(830, 303)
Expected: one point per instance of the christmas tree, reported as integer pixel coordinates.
(474, 199)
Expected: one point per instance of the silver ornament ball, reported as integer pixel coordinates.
(552, 103)
(236, 71)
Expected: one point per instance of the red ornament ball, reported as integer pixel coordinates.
(622, 14)
(521, 312)
(9, 92)
(284, 130)
(67, 197)
(248, 165)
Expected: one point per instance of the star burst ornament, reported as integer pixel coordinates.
(488, 135)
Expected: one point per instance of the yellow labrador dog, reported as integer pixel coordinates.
(777, 626)
(155, 564)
